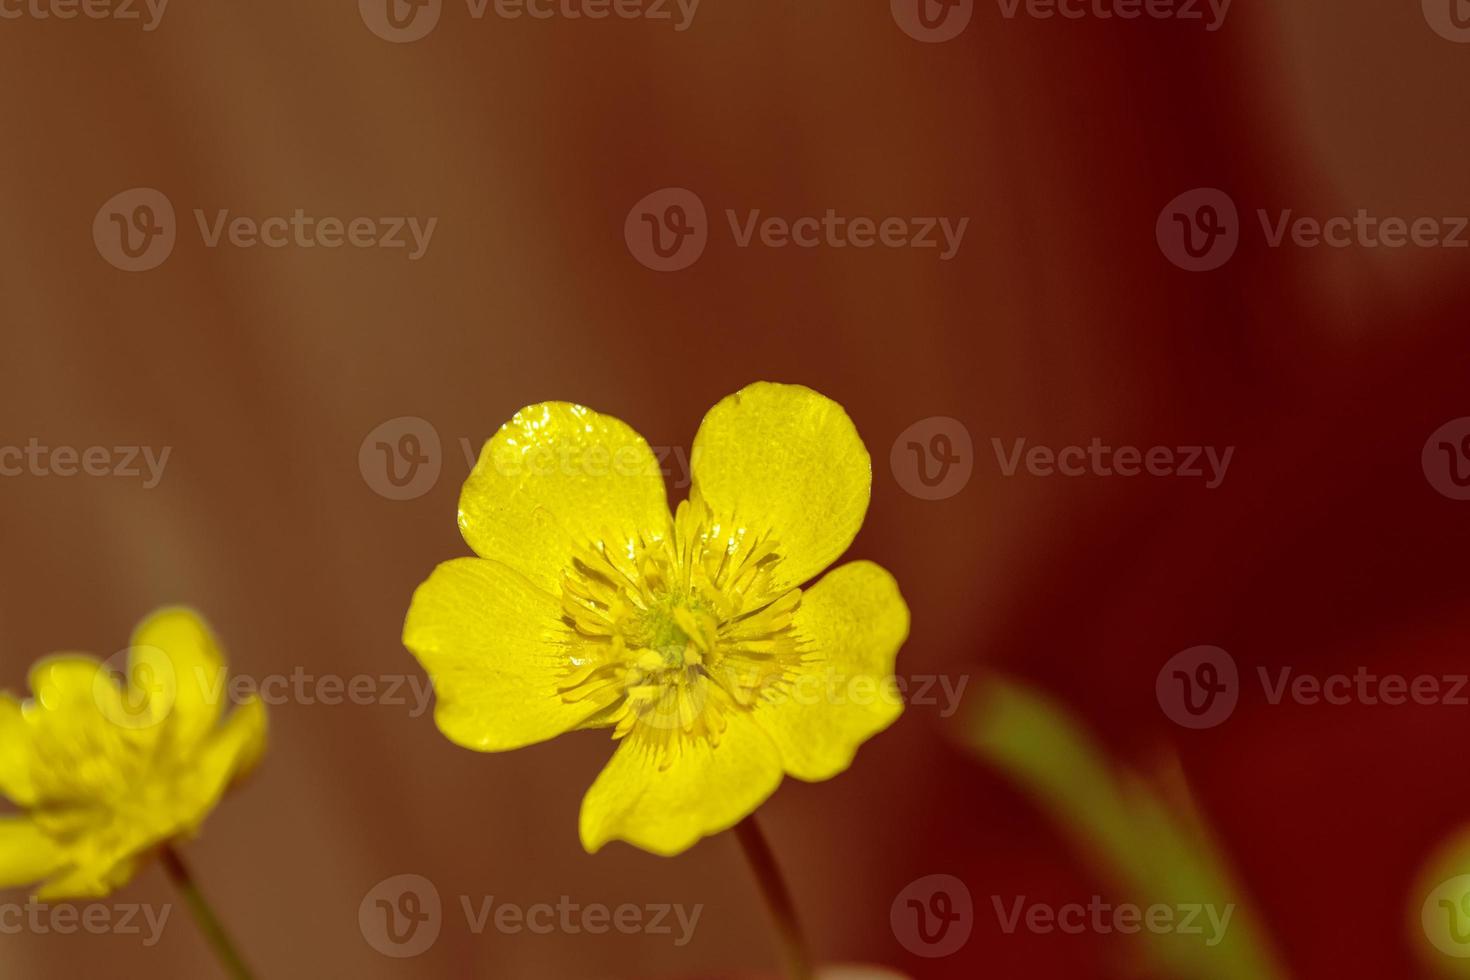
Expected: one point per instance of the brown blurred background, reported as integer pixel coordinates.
(1060, 319)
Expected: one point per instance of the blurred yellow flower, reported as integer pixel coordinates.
(106, 772)
(689, 635)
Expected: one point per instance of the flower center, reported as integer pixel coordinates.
(673, 634)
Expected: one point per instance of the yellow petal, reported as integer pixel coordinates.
(16, 784)
(75, 702)
(176, 673)
(26, 854)
(663, 791)
(237, 746)
(555, 477)
(97, 879)
(492, 644)
(851, 624)
(78, 746)
(225, 757)
(784, 461)
(66, 681)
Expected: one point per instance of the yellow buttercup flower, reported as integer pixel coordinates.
(107, 772)
(689, 635)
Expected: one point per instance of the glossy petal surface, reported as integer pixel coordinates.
(557, 477)
(852, 623)
(494, 646)
(787, 464)
(664, 794)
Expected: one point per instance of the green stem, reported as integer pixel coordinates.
(778, 898)
(209, 923)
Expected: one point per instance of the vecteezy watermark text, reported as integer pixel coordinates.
(126, 462)
(136, 230)
(95, 918)
(306, 231)
(1201, 229)
(829, 687)
(402, 459)
(834, 230)
(1099, 459)
(1200, 687)
(402, 917)
(1211, 13)
(405, 21)
(669, 229)
(157, 684)
(299, 687)
(570, 918)
(1102, 917)
(148, 12)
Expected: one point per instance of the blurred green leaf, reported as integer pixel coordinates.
(1144, 837)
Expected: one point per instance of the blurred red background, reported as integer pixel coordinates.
(1060, 319)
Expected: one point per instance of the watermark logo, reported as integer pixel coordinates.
(401, 916)
(933, 916)
(400, 21)
(147, 692)
(1199, 230)
(934, 458)
(401, 459)
(135, 230)
(1199, 687)
(1450, 19)
(1445, 916)
(932, 21)
(667, 230)
(1446, 459)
